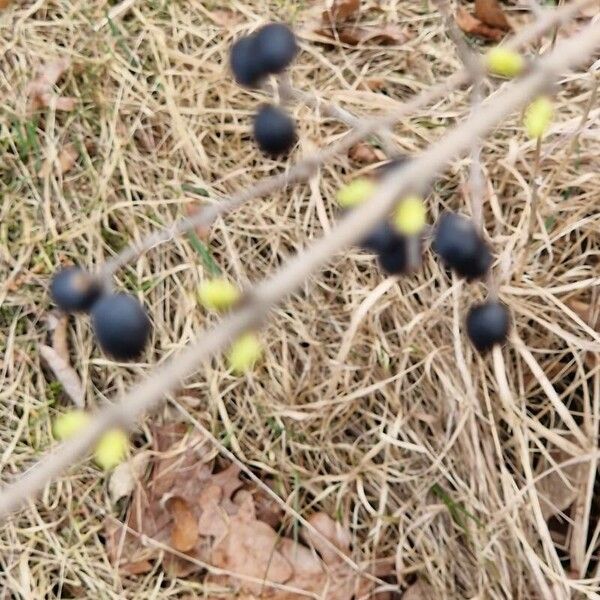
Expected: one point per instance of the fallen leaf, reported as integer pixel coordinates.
(181, 469)
(65, 373)
(267, 509)
(365, 154)
(40, 90)
(585, 311)
(558, 490)
(341, 10)
(4, 3)
(249, 548)
(225, 18)
(216, 518)
(473, 26)
(125, 476)
(332, 531)
(419, 591)
(184, 534)
(374, 84)
(66, 160)
(490, 13)
(386, 35)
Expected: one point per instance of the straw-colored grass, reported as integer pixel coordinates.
(370, 403)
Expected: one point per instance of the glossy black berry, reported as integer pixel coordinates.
(394, 259)
(275, 46)
(74, 289)
(274, 130)
(460, 246)
(121, 326)
(382, 237)
(244, 62)
(488, 324)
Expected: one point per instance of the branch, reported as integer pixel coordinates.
(306, 168)
(147, 394)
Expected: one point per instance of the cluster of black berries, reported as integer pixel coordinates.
(391, 246)
(462, 249)
(268, 51)
(119, 322)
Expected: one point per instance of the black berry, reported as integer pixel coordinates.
(274, 130)
(74, 289)
(394, 259)
(121, 325)
(382, 237)
(461, 247)
(244, 63)
(390, 246)
(275, 46)
(488, 324)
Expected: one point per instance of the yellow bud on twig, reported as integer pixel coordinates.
(218, 294)
(111, 449)
(69, 424)
(505, 62)
(410, 216)
(355, 192)
(538, 117)
(244, 352)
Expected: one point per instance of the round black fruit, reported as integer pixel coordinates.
(74, 289)
(244, 62)
(121, 326)
(394, 259)
(488, 324)
(274, 130)
(382, 237)
(276, 47)
(460, 246)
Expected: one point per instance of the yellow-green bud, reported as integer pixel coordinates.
(218, 294)
(244, 352)
(410, 216)
(505, 62)
(112, 449)
(67, 425)
(355, 192)
(538, 117)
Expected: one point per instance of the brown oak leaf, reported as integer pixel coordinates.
(365, 154)
(473, 26)
(491, 13)
(249, 548)
(184, 532)
(40, 90)
(341, 10)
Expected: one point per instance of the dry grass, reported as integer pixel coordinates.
(370, 403)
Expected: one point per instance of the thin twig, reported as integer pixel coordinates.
(147, 394)
(305, 168)
(533, 207)
(473, 65)
(329, 109)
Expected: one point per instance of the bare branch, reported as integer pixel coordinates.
(147, 394)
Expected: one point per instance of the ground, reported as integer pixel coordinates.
(369, 403)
